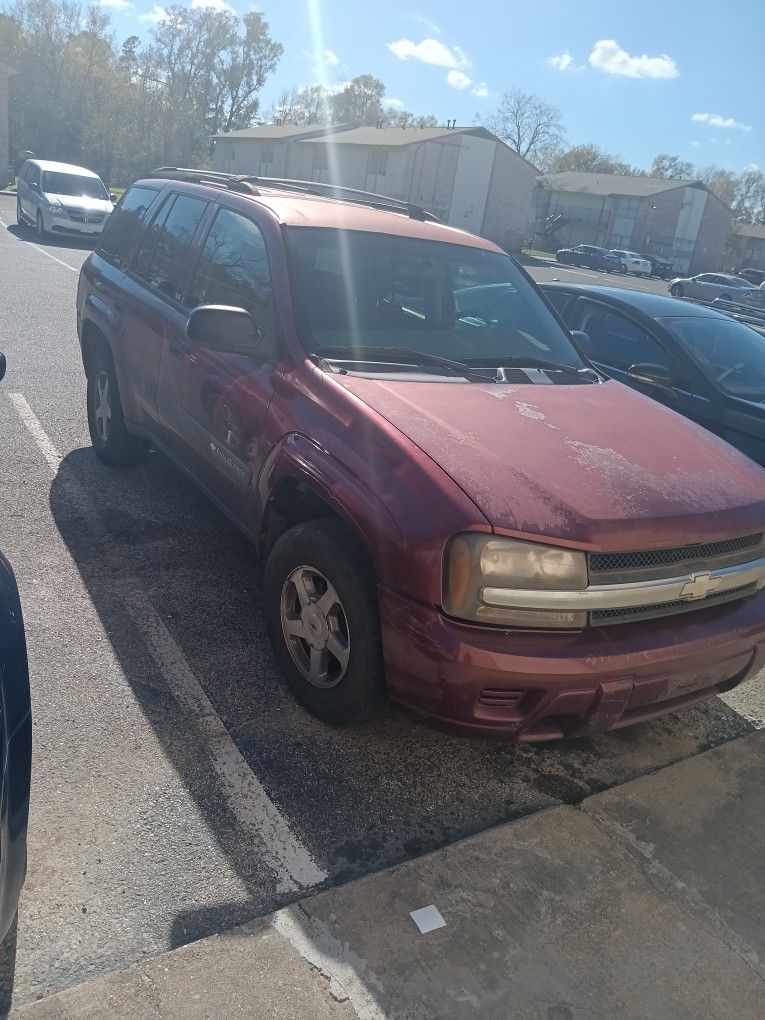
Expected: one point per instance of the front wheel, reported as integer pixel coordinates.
(19, 214)
(323, 622)
(113, 444)
(40, 224)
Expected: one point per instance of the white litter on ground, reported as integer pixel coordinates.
(427, 919)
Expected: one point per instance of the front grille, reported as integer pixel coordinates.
(648, 558)
(79, 216)
(608, 617)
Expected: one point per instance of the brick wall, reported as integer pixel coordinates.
(715, 229)
(509, 215)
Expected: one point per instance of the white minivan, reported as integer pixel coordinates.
(58, 198)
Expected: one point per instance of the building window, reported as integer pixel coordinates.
(378, 162)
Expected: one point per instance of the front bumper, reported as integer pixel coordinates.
(65, 225)
(544, 685)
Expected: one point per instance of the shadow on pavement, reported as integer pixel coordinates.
(27, 233)
(359, 799)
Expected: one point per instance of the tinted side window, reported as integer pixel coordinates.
(163, 255)
(559, 300)
(123, 226)
(234, 270)
(619, 342)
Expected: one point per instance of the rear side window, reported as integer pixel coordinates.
(163, 257)
(123, 226)
(619, 342)
(234, 270)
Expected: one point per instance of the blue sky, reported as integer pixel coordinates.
(636, 78)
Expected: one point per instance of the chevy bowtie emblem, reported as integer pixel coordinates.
(699, 586)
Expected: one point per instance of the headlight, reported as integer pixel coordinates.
(56, 208)
(478, 568)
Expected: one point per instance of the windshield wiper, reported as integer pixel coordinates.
(419, 358)
(522, 361)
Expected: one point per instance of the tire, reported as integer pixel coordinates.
(725, 297)
(40, 225)
(676, 290)
(315, 557)
(112, 442)
(19, 214)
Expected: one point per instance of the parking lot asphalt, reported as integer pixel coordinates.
(177, 787)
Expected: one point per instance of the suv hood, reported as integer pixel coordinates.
(599, 465)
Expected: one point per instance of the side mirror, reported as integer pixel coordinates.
(2, 367)
(652, 375)
(34, 186)
(222, 328)
(112, 198)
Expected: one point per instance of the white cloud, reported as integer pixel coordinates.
(331, 58)
(715, 120)
(562, 61)
(117, 5)
(429, 51)
(607, 55)
(213, 5)
(481, 90)
(431, 26)
(754, 167)
(393, 103)
(458, 79)
(695, 142)
(156, 14)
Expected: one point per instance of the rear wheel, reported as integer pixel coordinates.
(676, 290)
(113, 444)
(321, 610)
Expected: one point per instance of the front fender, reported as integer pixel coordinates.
(303, 460)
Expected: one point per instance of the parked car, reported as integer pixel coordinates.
(708, 286)
(695, 360)
(16, 743)
(631, 263)
(454, 508)
(659, 266)
(590, 257)
(756, 277)
(56, 198)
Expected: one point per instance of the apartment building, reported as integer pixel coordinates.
(464, 175)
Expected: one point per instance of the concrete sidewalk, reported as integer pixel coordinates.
(645, 901)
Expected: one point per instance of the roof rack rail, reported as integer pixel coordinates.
(233, 182)
(251, 185)
(324, 190)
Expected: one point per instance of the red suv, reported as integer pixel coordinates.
(456, 511)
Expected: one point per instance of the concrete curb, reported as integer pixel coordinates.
(645, 901)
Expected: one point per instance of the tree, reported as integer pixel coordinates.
(723, 183)
(749, 205)
(590, 158)
(665, 165)
(359, 103)
(528, 124)
(122, 111)
(405, 119)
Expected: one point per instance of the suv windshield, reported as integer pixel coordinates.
(55, 183)
(729, 353)
(359, 290)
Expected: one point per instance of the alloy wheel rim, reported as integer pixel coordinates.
(315, 627)
(102, 408)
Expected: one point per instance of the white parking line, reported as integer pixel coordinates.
(255, 812)
(41, 250)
